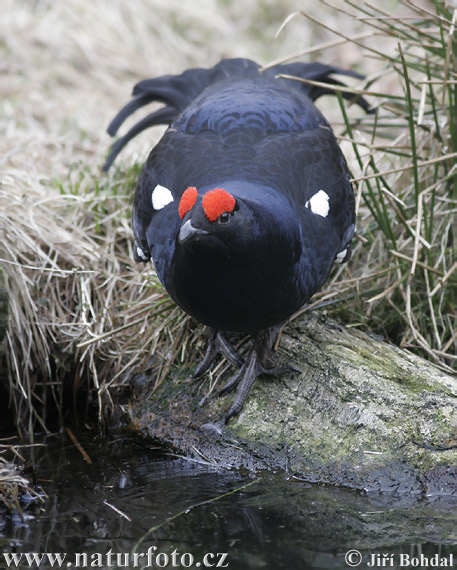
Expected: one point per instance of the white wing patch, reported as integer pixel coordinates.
(319, 204)
(161, 196)
(340, 256)
(141, 253)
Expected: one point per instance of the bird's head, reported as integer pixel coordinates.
(234, 218)
(209, 218)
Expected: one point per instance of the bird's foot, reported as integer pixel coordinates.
(217, 344)
(258, 362)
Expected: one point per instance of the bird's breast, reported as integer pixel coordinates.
(234, 292)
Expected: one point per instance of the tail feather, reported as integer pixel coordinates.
(163, 116)
(168, 89)
(177, 92)
(132, 106)
(318, 72)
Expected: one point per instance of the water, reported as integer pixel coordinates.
(133, 500)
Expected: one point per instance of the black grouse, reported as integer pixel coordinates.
(244, 204)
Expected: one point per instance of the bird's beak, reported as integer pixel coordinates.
(188, 231)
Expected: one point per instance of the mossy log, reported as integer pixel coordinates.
(361, 413)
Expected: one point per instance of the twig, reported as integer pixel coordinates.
(408, 167)
(118, 511)
(78, 446)
(443, 279)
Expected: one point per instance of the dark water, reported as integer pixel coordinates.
(188, 515)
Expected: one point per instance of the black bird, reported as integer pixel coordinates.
(245, 202)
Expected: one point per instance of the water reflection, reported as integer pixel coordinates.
(131, 499)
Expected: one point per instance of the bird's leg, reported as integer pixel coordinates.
(228, 351)
(258, 362)
(246, 378)
(217, 344)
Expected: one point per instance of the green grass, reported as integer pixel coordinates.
(404, 168)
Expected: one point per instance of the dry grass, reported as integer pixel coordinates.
(13, 483)
(82, 313)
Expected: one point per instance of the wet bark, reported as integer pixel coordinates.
(360, 413)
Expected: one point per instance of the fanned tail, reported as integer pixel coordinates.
(177, 92)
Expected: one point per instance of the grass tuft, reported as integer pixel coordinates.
(404, 166)
(84, 307)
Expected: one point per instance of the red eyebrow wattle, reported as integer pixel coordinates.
(216, 202)
(187, 201)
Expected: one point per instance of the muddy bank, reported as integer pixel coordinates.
(360, 413)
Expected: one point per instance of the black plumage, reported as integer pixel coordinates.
(247, 256)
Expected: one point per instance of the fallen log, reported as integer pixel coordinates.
(361, 413)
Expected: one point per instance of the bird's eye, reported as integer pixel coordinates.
(224, 218)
